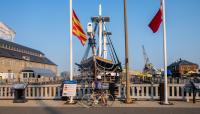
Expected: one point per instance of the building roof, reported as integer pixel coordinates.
(182, 62)
(23, 56)
(40, 71)
(2, 41)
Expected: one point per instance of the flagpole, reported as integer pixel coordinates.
(71, 63)
(165, 52)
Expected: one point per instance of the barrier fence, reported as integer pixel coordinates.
(138, 92)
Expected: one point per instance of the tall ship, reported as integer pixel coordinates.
(100, 58)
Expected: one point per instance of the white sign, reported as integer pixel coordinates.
(7, 75)
(69, 89)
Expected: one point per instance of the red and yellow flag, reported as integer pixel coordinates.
(77, 29)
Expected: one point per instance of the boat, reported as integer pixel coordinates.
(100, 57)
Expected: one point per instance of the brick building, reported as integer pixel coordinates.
(183, 67)
(19, 62)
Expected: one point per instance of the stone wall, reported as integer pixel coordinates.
(10, 65)
(184, 69)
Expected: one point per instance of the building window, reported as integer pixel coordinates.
(25, 75)
(3, 45)
(2, 62)
(31, 75)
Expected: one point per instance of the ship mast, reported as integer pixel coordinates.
(100, 31)
(104, 41)
(102, 36)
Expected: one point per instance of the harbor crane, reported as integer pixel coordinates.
(148, 66)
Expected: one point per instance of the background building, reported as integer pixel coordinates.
(19, 62)
(183, 67)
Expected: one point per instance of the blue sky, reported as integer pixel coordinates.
(44, 25)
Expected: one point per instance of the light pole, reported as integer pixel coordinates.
(128, 99)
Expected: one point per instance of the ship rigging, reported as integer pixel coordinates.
(103, 60)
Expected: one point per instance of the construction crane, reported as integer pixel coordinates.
(148, 67)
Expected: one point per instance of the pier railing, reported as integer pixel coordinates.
(41, 91)
(138, 92)
(153, 91)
